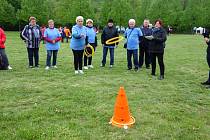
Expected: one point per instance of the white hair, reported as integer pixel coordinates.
(79, 18)
(131, 20)
(89, 20)
(147, 20)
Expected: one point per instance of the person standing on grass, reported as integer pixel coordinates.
(110, 31)
(78, 44)
(91, 39)
(32, 36)
(52, 38)
(158, 38)
(133, 36)
(206, 38)
(4, 63)
(67, 34)
(144, 45)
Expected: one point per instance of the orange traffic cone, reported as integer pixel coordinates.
(122, 116)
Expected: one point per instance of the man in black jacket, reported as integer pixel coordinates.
(144, 45)
(157, 47)
(109, 32)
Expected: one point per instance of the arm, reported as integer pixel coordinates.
(103, 37)
(75, 33)
(46, 37)
(86, 40)
(96, 41)
(117, 35)
(24, 33)
(161, 38)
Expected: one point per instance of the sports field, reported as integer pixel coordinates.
(36, 104)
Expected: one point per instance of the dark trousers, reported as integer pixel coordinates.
(133, 53)
(67, 39)
(88, 60)
(105, 50)
(208, 61)
(51, 53)
(144, 52)
(33, 54)
(78, 56)
(4, 63)
(159, 56)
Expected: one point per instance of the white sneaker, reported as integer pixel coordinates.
(76, 72)
(81, 72)
(47, 68)
(55, 67)
(111, 66)
(9, 68)
(90, 66)
(85, 67)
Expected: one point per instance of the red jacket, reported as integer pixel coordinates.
(2, 39)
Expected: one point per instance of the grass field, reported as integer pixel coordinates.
(56, 104)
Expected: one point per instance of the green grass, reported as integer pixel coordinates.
(56, 104)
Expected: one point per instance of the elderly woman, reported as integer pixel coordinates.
(32, 36)
(52, 38)
(91, 39)
(133, 35)
(78, 44)
(157, 47)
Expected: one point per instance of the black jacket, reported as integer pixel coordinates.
(145, 43)
(107, 34)
(158, 43)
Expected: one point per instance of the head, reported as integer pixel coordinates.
(80, 20)
(89, 22)
(146, 23)
(32, 21)
(110, 23)
(131, 23)
(51, 24)
(158, 23)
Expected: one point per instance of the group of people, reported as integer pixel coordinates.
(144, 44)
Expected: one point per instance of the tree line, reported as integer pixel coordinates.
(182, 15)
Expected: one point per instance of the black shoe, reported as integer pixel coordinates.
(153, 74)
(205, 83)
(136, 69)
(102, 65)
(161, 77)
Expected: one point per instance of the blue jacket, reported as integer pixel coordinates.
(133, 38)
(78, 42)
(52, 34)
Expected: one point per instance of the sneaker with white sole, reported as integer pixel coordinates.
(47, 68)
(85, 67)
(55, 67)
(9, 67)
(111, 66)
(76, 72)
(81, 72)
(90, 66)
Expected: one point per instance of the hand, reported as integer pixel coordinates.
(53, 41)
(82, 36)
(206, 39)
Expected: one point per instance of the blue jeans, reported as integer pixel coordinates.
(51, 53)
(133, 53)
(105, 50)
